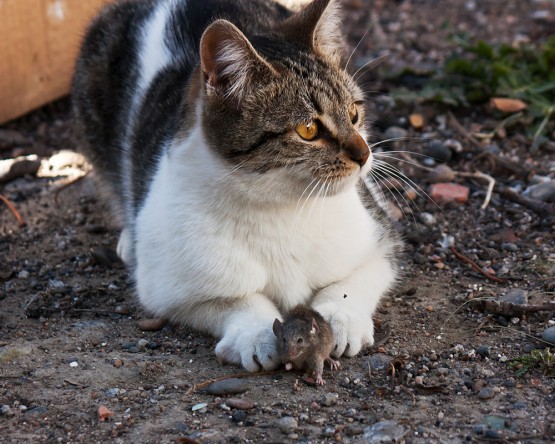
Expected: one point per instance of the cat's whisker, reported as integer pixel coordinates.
(411, 183)
(298, 215)
(315, 200)
(356, 47)
(231, 171)
(396, 174)
(397, 159)
(304, 191)
(378, 178)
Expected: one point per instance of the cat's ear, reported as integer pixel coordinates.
(317, 26)
(229, 62)
(277, 327)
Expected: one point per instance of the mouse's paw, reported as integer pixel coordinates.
(253, 347)
(319, 380)
(334, 365)
(351, 330)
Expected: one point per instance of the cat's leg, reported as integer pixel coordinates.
(124, 248)
(349, 305)
(245, 328)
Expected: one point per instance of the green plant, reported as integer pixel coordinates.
(482, 71)
(542, 360)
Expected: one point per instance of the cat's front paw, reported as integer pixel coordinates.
(254, 348)
(351, 330)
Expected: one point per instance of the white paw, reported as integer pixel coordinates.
(252, 347)
(124, 247)
(351, 330)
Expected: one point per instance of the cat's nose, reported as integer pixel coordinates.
(357, 149)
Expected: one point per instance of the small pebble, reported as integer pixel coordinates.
(379, 361)
(287, 424)
(395, 132)
(74, 364)
(548, 335)
(544, 192)
(329, 399)
(227, 387)
(441, 173)
(437, 150)
(384, 432)
(483, 351)
(515, 296)
(239, 416)
(199, 406)
(154, 324)
(240, 403)
(486, 393)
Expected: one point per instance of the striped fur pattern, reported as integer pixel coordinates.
(190, 112)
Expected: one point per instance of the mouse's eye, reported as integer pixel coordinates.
(284, 340)
(300, 340)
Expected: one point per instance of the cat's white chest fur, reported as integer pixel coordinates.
(197, 239)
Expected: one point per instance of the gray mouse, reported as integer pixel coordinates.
(305, 341)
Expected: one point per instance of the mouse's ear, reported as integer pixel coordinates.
(277, 327)
(314, 328)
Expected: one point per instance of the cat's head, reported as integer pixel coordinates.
(280, 107)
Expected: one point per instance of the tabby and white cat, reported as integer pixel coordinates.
(231, 140)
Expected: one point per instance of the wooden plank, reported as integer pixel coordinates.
(39, 40)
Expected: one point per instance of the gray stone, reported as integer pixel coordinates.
(515, 296)
(288, 424)
(543, 191)
(379, 361)
(384, 432)
(227, 387)
(437, 150)
(395, 132)
(329, 399)
(548, 335)
(486, 393)
(483, 351)
(509, 246)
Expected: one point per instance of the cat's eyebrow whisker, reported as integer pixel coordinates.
(355, 48)
(394, 139)
(369, 65)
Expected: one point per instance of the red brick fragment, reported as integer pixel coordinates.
(449, 192)
(104, 413)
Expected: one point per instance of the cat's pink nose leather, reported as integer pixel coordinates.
(357, 149)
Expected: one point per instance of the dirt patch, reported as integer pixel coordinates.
(69, 340)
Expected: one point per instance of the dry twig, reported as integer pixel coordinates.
(483, 176)
(537, 206)
(475, 266)
(12, 208)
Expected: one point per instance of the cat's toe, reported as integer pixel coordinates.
(254, 350)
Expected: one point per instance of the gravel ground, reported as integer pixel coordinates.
(75, 366)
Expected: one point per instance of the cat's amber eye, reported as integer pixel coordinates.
(353, 113)
(308, 131)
